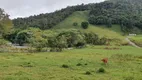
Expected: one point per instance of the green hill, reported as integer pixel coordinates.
(80, 16)
(126, 13)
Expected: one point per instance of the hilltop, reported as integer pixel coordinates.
(80, 16)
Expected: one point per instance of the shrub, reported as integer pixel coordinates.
(84, 25)
(65, 66)
(80, 44)
(3, 42)
(92, 38)
(79, 64)
(57, 43)
(69, 39)
(101, 70)
(103, 41)
(85, 64)
(75, 24)
(88, 73)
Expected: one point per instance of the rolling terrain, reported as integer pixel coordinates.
(55, 49)
(81, 16)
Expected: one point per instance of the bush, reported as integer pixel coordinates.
(88, 73)
(79, 64)
(75, 24)
(84, 25)
(67, 39)
(103, 41)
(85, 64)
(80, 44)
(101, 70)
(57, 43)
(38, 44)
(22, 37)
(3, 42)
(65, 66)
(92, 38)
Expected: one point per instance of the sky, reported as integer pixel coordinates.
(25, 8)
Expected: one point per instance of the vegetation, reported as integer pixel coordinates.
(48, 20)
(5, 23)
(110, 12)
(122, 12)
(124, 63)
(137, 40)
(57, 40)
(84, 25)
(39, 39)
(101, 70)
(88, 73)
(99, 29)
(75, 24)
(3, 42)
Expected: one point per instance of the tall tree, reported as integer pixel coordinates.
(5, 23)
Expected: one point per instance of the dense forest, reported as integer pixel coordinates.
(127, 13)
(48, 20)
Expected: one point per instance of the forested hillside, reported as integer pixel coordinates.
(48, 20)
(127, 13)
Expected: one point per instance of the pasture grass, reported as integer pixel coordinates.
(137, 40)
(113, 33)
(124, 63)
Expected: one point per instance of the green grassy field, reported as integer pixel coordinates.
(125, 63)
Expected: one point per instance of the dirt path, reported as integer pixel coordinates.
(131, 43)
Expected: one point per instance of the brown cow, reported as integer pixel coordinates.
(105, 60)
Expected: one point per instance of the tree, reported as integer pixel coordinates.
(75, 24)
(91, 38)
(5, 23)
(57, 43)
(74, 38)
(22, 37)
(85, 25)
(39, 44)
(109, 23)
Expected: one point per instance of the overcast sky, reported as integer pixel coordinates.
(25, 8)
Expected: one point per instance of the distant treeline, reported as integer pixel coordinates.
(48, 20)
(127, 13)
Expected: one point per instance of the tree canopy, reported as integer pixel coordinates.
(5, 22)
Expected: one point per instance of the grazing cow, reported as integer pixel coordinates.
(105, 60)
